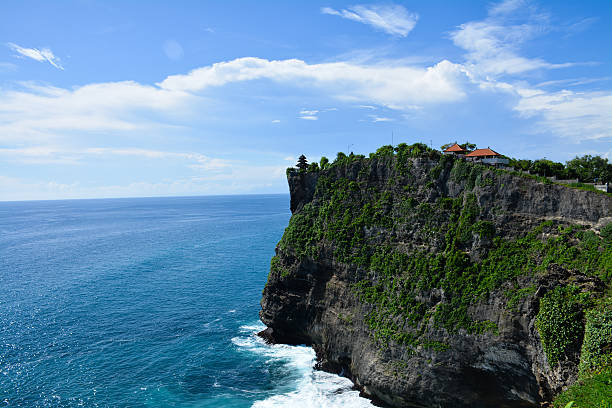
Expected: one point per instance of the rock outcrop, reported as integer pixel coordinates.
(420, 277)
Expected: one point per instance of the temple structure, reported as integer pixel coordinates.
(487, 156)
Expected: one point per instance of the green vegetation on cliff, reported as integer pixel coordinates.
(349, 211)
(594, 387)
(559, 321)
(428, 258)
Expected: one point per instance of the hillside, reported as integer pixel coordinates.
(432, 282)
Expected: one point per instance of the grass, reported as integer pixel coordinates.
(592, 392)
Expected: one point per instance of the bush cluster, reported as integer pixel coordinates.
(559, 321)
(587, 169)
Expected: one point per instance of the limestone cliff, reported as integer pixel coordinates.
(421, 276)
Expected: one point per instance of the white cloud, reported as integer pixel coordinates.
(309, 112)
(389, 85)
(575, 115)
(492, 44)
(392, 19)
(209, 176)
(42, 55)
(62, 155)
(38, 112)
(493, 49)
(573, 81)
(380, 118)
(506, 7)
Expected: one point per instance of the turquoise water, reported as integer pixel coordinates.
(149, 302)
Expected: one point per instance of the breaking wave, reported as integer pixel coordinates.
(301, 386)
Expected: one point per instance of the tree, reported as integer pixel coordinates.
(548, 168)
(340, 157)
(520, 164)
(313, 167)
(324, 162)
(468, 146)
(302, 163)
(590, 169)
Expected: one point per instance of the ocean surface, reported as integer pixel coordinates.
(148, 302)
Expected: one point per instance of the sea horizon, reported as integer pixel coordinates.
(144, 197)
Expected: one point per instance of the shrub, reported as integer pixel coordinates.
(559, 321)
(593, 392)
(596, 353)
(324, 162)
(313, 167)
(485, 229)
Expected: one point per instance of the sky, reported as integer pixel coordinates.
(103, 99)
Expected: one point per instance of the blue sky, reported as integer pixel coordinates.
(156, 98)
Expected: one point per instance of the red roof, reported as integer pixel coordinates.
(456, 148)
(482, 152)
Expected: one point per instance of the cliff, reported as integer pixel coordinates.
(432, 282)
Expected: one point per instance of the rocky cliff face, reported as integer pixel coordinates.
(420, 277)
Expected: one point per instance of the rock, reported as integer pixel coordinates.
(313, 300)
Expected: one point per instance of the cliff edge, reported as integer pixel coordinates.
(433, 282)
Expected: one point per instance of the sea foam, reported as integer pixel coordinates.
(308, 387)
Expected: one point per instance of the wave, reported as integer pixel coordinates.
(308, 388)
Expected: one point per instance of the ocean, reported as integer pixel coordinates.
(147, 302)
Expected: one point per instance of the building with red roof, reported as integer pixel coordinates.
(456, 150)
(487, 156)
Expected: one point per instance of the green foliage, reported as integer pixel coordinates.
(559, 321)
(324, 162)
(582, 186)
(277, 266)
(587, 169)
(468, 172)
(386, 150)
(517, 294)
(484, 180)
(547, 168)
(520, 164)
(485, 229)
(596, 354)
(592, 392)
(590, 169)
(340, 157)
(302, 163)
(606, 233)
(313, 167)
(344, 160)
(355, 220)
